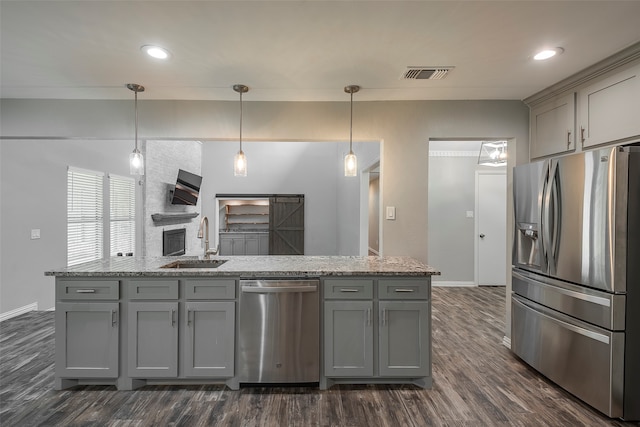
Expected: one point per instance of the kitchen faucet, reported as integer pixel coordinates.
(205, 222)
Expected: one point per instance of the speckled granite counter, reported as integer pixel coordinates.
(254, 266)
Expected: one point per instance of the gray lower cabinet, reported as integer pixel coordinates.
(152, 339)
(87, 339)
(348, 342)
(209, 331)
(244, 243)
(403, 338)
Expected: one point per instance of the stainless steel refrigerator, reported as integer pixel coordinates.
(576, 275)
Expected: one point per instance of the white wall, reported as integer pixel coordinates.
(403, 127)
(163, 159)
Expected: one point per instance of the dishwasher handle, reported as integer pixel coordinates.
(277, 289)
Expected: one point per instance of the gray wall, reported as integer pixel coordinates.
(403, 127)
(310, 168)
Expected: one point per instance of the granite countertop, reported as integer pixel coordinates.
(253, 266)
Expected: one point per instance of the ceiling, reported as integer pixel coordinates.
(303, 50)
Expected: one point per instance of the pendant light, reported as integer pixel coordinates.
(350, 160)
(136, 161)
(240, 160)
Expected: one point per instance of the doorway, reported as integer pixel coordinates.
(491, 228)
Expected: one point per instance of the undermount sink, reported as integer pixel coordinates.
(196, 263)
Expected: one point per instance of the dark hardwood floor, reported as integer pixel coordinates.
(477, 382)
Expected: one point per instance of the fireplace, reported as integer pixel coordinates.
(173, 242)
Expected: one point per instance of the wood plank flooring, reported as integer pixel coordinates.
(477, 382)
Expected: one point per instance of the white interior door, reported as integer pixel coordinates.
(491, 228)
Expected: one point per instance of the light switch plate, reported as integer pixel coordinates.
(35, 233)
(469, 214)
(391, 212)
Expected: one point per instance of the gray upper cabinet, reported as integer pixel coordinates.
(348, 342)
(153, 339)
(404, 347)
(609, 109)
(87, 339)
(209, 330)
(553, 126)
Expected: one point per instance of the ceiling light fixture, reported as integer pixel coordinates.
(240, 160)
(350, 160)
(136, 161)
(493, 153)
(547, 53)
(156, 52)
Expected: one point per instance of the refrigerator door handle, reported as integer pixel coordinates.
(556, 213)
(544, 215)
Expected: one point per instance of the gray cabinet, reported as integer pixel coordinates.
(86, 339)
(404, 341)
(209, 329)
(152, 339)
(244, 243)
(348, 342)
(553, 126)
(377, 330)
(608, 109)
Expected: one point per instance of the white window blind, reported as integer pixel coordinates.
(84, 215)
(122, 201)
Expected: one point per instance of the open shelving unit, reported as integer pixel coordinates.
(245, 216)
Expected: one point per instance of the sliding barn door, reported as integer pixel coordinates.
(286, 225)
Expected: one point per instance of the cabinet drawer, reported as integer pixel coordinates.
(153, 289)
(348, 289)
(197, 289)
(87, 290)
(403, 289)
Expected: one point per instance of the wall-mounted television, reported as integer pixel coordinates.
(187, 188)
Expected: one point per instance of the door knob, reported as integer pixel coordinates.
(482, 235)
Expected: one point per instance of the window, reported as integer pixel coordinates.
(84, 215)
(122, 193)
(100, 220)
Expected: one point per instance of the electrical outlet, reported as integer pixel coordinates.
(469, 214)
(35, 233)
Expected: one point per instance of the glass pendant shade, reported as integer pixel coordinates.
(240, 164)
(136, 163)
(493, 153)
(350, 160)
(350, 164)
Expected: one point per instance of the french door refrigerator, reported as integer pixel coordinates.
(576, 275)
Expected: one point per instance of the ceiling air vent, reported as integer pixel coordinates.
(425, 73)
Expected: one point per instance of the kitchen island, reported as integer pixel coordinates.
(174, 320)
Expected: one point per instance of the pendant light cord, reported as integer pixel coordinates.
(351, 126)
(241, 121)
(136, 108)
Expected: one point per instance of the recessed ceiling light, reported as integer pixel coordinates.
(547, 53)
(155, 51)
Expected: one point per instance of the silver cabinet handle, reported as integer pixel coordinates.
(368, 322)
(171, 316)
(404, 290)
(384, 316)
(568, 139)
(582, 134)
(348, 290)
(114, 318)
(188, 317)
(85, 291)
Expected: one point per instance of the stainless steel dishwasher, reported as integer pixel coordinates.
(279, 338)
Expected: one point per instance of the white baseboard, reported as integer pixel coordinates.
(506, 341)
(452, 284)
(18, 311)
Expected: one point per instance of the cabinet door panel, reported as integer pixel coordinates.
(226, 245)
(87, 340)
(348, 338)
(153, 339)
(608, 110)
(553, 126)
(209, 339)
(404, 338)
(251, 244)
